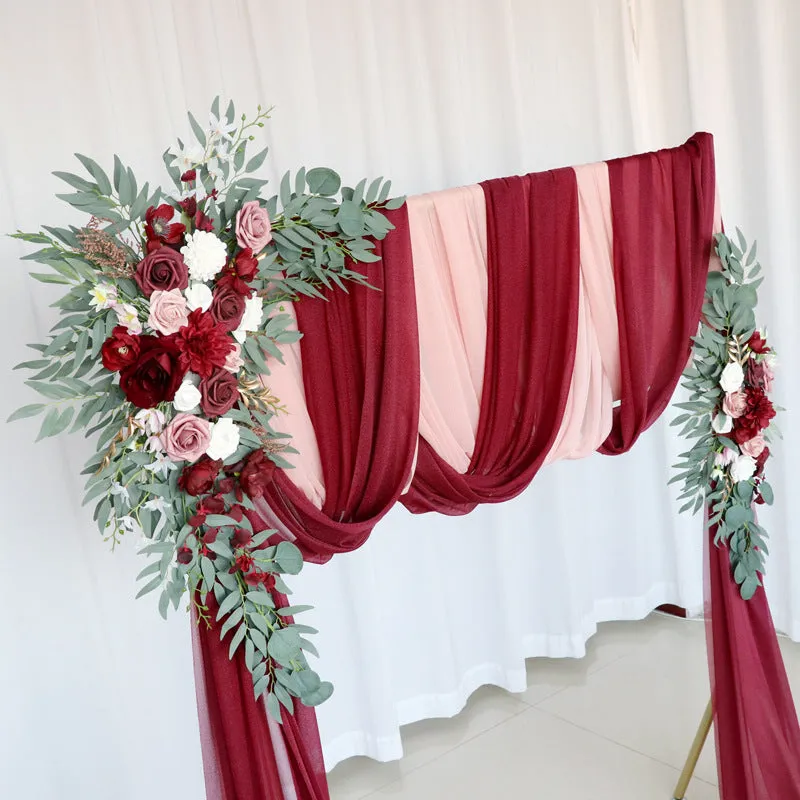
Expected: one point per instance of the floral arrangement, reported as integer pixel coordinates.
(171, 315)
(730, 414)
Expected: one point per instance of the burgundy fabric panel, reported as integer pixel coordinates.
(756, 726)
(238, 757)
(532, 319)
(662, 208)
(360, 355)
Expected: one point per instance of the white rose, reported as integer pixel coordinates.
(251, 319)
(205, 255)
(743, 468)
(224, 439)
(187, 398)
(732, 377)
(722, 423)
(198, 295)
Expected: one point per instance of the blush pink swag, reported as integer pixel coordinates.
(253, 228)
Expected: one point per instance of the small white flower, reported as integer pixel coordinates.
(187, 398)
(251, 319)
(220, 128)
(188, 157)
(154, 444)
(725, 457)
(160, 505)
(118, 490)
(129, 525)
(743, 468)
(732, 377)
(205, 255)
(150, 420)
(198, 295)
(161, 465)
(103, 296)
(224, 439)
(128, 316)
(722, 423)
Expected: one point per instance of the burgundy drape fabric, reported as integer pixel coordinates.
(756, 726)
(662, 207)
(361, 372)
(239, 756)
(532, 317)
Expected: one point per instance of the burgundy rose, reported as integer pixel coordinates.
(198, 478)
(120, 350)
(219, 393)
(160, 230)
(155, 375)
(257, 474)
(757, 343)
(162, 270)
(185, 555)
(227, 307)
(239, 272)
(755, 418)
(203, 344)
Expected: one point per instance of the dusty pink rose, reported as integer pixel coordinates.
(168, 312)
(186, 438)
(754, 447)
(253, 228)
(233, 361)
(735, 404)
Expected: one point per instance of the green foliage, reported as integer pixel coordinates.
(726, 327)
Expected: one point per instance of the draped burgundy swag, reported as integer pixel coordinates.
(361, 373)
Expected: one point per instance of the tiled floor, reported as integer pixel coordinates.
(615, 725)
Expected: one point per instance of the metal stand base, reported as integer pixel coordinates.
(694, 753)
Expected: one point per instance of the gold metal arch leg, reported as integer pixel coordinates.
(694, 753)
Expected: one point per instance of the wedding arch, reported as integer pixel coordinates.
(266, 378)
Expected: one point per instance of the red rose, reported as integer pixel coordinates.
(227, 307)
(162, 270)
(239, 272)
(203, 344)
(757, 416)
(757, 343)
(159, 229)
(198, 478)
(190, 176)
(185, 555)
(155, 375)
(120, 350)
(257, 473)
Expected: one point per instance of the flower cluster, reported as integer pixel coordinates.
(171, 314)
(730, 414)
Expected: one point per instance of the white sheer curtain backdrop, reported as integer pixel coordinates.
(97, 691)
